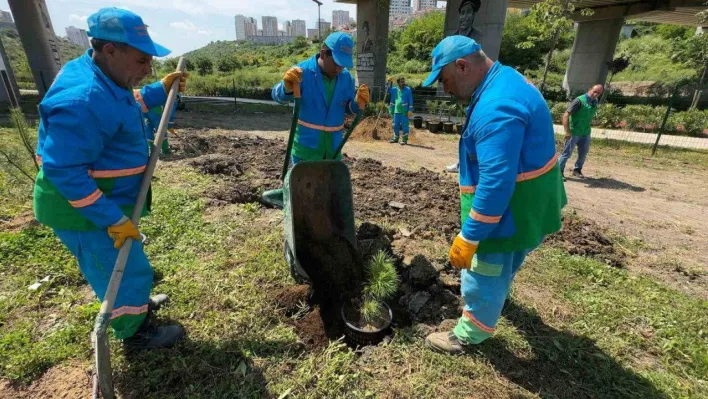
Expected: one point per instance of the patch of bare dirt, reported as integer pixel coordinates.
(585, 238)
(18, 223)
(61, 382)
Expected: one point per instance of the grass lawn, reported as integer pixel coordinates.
(574, 327)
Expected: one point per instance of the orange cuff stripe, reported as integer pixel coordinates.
(131, 310)
(468, 189)
(100, 174)
(38, 158)
(320, 127)
(478, 323)
(484, 218)
(84, 202)
(538, 172)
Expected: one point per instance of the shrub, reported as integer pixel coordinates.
(692, 122)
(642, 117)
(608, 116)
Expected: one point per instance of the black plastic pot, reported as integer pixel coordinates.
(448, 127)
(360, 337)
(427, 124)
(459, 128)
(418, 122)
(434, 127)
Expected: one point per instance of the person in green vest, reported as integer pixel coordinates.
(577, 121)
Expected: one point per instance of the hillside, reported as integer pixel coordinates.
(18, 58)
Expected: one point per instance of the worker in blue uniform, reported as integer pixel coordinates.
(328, 94)
(401, 110)
(93, 151)
(511, 191)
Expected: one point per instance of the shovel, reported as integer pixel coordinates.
(103, 380)
(275, 197)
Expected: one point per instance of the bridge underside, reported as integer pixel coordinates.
(594, 45)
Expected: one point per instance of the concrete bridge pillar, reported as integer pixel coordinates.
(486, 18)
(594, 46)
(38, 39)
(372, 45)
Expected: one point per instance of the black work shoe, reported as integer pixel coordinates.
(157, 301)
(404, 143)
(155, 337)
(393, 141)
(578, 174)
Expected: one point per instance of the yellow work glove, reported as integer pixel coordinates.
(410, 114)
(461, 253)
(170, 78)
(292, 77)
(362, 96)
(123, 230)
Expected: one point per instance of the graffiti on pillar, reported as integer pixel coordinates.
(468, 11)
(365, 59)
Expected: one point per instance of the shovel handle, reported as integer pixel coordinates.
(293, 126)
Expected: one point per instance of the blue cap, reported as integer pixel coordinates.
(342, 47)
(123, 26)
(448, 50)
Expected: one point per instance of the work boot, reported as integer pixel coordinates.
(157, 301)
(404, 143)
(446, 342)
(394, 140)
(577, 173)
(151, 336)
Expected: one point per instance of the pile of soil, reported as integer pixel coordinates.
(423, 200)
(586, 238)
(369, 130)
(65, 381)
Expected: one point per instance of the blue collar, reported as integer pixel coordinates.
(493, 71)
(118, 92)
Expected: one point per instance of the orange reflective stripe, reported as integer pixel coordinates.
(38, 158)
(468, 189)
(538, 172)
(101, 174)
(132, 310)
(139, 99)
(484, 218)
(320, 127)
(478, 323)
(84, 202)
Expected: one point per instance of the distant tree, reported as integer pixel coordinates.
(517, 29)
(205, 65)
(693, 52)
(421, 36)
(228, 63)
(550, 19)
(170, 64)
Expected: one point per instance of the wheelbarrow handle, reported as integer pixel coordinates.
(346, 135)
(293, 126)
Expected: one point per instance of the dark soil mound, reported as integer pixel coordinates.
(586, 238)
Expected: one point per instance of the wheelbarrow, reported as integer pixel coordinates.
(316, 199)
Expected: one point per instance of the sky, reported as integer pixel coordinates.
(185, 25)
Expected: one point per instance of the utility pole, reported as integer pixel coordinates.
(319, 25)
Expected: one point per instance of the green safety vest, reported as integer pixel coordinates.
(581, 120)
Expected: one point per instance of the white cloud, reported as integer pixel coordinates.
(79, 19)
(189, 26)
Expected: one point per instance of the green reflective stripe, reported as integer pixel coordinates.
(486, 269)
(126, 325)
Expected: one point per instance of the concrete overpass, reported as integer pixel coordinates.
(595, 42)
